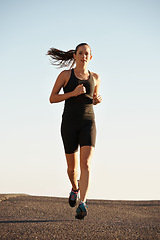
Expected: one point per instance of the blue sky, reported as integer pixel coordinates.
(124, 37)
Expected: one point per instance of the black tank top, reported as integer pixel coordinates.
(80, 107)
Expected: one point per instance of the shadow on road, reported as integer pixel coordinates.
(36, 221)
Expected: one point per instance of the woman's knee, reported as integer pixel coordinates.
(85, 166)
(72, 170)
(72, 162)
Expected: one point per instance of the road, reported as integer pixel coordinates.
(32, 217)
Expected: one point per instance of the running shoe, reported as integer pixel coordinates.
(81, 211)
(73, 198)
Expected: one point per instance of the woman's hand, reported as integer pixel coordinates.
(96, 99)
(80, 89)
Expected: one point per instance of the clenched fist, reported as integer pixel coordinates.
(96, 99)
(80, 89)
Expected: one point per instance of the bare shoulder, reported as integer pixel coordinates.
(65, 74)
(63, 77)
(95, 75)
(96, 78)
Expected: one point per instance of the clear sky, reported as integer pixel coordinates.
(125, 39)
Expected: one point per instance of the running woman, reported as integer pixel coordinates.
(78, 127)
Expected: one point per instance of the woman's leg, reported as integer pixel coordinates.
(72, 170)
(86, 153)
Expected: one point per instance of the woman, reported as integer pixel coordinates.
(78, 128)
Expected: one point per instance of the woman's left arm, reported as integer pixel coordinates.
(96, 97)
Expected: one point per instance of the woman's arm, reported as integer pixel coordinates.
(96, 97)
(61, 81)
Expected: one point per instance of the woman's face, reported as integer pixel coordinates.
(83, 55)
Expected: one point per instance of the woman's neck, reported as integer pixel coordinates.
(82, 70)
(81, 73)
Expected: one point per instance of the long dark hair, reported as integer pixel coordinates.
(63, 59)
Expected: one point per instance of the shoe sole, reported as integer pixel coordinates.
(72, 204)
(79, 217)
(80, 214)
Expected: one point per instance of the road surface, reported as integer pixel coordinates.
(32, 217)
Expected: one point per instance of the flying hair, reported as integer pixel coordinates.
(61, 58)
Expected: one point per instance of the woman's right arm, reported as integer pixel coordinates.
(61, 81)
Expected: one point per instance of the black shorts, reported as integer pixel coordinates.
(76, 133)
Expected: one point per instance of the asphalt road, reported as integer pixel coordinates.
(30, 217)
